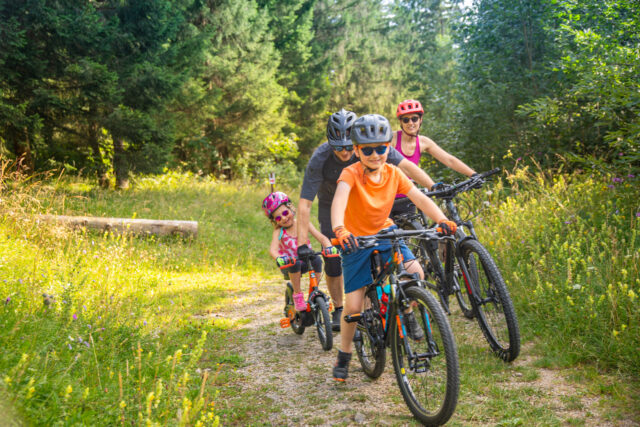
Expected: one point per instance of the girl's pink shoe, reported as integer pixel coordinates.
(299, 302)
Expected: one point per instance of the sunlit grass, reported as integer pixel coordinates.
(115, 339)
(569, 250)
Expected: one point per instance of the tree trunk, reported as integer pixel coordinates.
(94, 143)
(120, 165)
(121, 225)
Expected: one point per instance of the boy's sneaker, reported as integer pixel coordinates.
(299, 302)
(335, 319)
(341, 369)
(414, 330)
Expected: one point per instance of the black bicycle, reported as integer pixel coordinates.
(426, 367)
(465, 268)
(317, 312)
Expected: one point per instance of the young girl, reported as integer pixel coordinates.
(278, 208)
(361, 205)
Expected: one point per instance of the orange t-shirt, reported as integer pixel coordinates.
(370, 203)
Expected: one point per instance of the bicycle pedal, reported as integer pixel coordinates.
(353, 318)
(285, 322)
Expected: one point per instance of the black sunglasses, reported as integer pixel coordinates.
(380, 149)
(414, 119)
(346, 147)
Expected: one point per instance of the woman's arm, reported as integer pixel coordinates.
(339, 204)
(429, 146)
(275, 244)
(414, 172)
(426, 205)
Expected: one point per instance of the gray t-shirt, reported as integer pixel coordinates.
(321, 179)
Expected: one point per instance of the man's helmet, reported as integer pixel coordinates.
(339, 128)
(273, 201)
(371, 129)
(409, 106)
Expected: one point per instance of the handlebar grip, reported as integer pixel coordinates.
(489, 173)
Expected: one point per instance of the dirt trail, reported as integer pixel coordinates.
(287, 378)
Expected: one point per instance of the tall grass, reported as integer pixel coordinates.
(99, 328)
(569, 249)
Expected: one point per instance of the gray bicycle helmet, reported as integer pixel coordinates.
(339, 128)
(371, 129)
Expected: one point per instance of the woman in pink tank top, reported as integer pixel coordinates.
(411, 145)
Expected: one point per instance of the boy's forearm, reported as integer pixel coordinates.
(426, 205)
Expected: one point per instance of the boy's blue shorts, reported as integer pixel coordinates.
(356, 266)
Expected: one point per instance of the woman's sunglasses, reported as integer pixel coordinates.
(380, 149)
(346, 147)
(285, 213)
(413, 119)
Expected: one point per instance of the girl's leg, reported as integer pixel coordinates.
(295, 281)
(352, 305)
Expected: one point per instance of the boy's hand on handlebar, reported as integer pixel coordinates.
(447, 228)
(346, 239)
(304, 251)
(285, 261)
(330, 252)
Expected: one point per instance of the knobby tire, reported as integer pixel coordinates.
(432, 394)
(493, 306)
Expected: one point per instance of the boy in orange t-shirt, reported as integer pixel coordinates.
(361, 206)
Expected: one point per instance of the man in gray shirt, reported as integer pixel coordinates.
(321, 178)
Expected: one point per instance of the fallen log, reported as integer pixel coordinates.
(121, 225)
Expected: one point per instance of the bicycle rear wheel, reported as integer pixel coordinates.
(427, 370)
(492, 303)
(369, 341)
(323, 323)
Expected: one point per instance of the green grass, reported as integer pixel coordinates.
(121, 345)
(119, 342)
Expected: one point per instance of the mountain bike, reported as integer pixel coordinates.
(427, 370)
(317, 312)
(465, 268)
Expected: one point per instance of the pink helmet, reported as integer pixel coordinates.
(273, 201)
(409, 106)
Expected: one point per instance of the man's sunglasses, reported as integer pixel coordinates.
(413, 119)
(284, 214)
(380, 149)
(346, 147)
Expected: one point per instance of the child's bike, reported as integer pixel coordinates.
(426, 368)
(317, 312)
(465, 268)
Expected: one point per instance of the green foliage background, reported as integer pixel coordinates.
(235, 88)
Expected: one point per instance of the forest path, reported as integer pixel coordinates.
(286, 380)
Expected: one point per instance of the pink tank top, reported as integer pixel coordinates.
(414, 158)
(288, 244)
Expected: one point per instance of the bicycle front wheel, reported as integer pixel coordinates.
(427, 370)
(492, 303)
(369, 339)
(462, 295)
(323, 323)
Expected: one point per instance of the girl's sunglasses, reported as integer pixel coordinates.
(285, 213)
(413, 119)
(346, 147)
(380, 149)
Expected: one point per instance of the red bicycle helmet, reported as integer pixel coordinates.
(409, 106)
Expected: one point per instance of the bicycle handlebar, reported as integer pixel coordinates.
(395, 234)
(465, 185)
